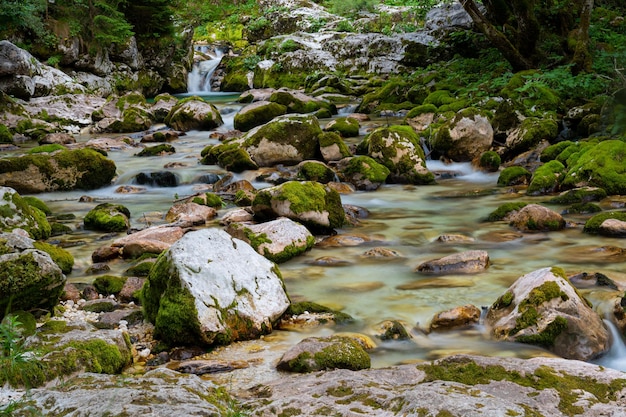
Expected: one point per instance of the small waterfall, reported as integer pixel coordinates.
(199, 79)
(615, 358)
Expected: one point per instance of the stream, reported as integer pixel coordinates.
(407, 219)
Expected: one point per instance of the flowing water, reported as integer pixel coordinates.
(407, 219)
(199, 79)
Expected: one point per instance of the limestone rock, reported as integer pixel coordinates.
(193, 113)
(29, 278)
(210, 288)
(278, 240)
(543, 308)
(310, 203)
(465, 137)
(190, 213)
(534, 217)
(464, 262)
(462, 316)
(315, 354)
(398, 148)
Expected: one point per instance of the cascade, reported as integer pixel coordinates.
(199, 79)
(615, 358)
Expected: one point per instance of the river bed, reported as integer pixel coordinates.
(407, 219)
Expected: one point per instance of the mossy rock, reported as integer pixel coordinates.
(60, 256)
(210, 200)
(310, 203)
(58, 229)
(583, 208)
(489, 161)
(422, 109)
(315, 171)
(5, 134)
(602, 166)
(193, 113)
(363, 172)
(256, 114)
(84, 169)
(545, 179)
(553, 151)
(230, 156)
(579, 195)
(347, 127)
(161, 149)
(15, 212)
(531, 131)
(296, 103)
(398, 148)
(37, 203)
(332, 146)
(48, 148)
(593, 224)
(394, 91)
(133, 119)
(504, 210)
(315, 354)
(302, 307)
(107, 217)
(514, 175)
(109, 284)
(141, 269)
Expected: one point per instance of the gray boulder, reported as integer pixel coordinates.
(193, 113)
(278, 240)
(543, 308)
(210, 288)
(29, 278)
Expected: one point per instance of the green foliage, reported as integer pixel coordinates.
(22, 16)
(15, 360)
(351, 8)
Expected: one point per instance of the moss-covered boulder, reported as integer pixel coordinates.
(193, 113)
(60, 256)
(546, 178)
(504, 211)
(157, 150)
(347, 127)
(316, 171)
(278, 240)
(363, 172)
(29, 278)
(67, 348)
(514, 175)
(593, 225)
(210, 288)
(287, 140)
(109, 284)
(108, 217)
(603, 166)
(298, 102)
(489, 161)
(229, 155)
(16, 213)
(310, 203)
(543, 308)
(531, 131)
(317, 354)
(256, 114)
(579, 195)
(332, 147)
(398, 148)
(536, 218)
(464, 137)
(66, 170)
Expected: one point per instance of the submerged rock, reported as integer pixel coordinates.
(210, 288)
(456, 317)
(465, 262)
(533, 217)
(543, 308)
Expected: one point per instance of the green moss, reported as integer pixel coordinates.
(49, 148)
(546, 178)
(553, 151)
(5, 134)
(246, 119)
(419, 110)
(570, 388)
(593, 224)
(503, 301)
(534, 130)
(439, 98)
(579, 195)
(15, 212)
(108, 217)
(601, 166)
(228, 155)
(35, 202)
(583, 208)
(346, 126)
(331, 138)
(60, 256)
(490, 161)
(163, 148)
(514, 175)
(210, 200)
(368, 168)
(527, 308)
(340, 353)
(316, 171)
(503, 210)
(109, 284)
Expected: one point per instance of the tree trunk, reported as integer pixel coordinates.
(498, 39)
(582, 55)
